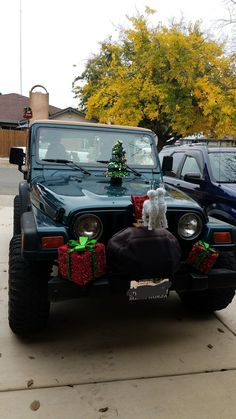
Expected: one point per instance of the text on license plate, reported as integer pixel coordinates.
(149, 289)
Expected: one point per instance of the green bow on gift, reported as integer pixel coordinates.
(82, 245)
(204, 244)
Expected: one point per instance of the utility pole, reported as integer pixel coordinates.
(20, 49)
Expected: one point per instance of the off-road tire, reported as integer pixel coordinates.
(210, 300)
(28, 292)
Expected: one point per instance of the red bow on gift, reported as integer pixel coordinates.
(137, 202)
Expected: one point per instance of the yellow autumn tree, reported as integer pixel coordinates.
(173, 80)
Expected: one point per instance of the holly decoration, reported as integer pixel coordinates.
(117, 168)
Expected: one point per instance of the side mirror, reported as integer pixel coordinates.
(193, 177)
(17, 156)
(167, 164)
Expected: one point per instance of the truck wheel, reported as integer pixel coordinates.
(16, 214)
(211, 299)
(28, 292)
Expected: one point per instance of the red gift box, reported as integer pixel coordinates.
(137, 202)
(202, 257)
(81, 263)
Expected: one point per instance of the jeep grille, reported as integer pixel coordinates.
(113, 220)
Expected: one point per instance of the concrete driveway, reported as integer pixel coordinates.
(113, 359)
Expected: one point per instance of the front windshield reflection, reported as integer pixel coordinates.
(87, 146)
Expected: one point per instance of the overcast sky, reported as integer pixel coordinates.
(56, 35)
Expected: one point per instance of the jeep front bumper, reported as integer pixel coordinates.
(184, 280)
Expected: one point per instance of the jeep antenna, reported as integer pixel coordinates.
(20, 38)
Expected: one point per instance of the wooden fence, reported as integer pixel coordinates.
(11, 138)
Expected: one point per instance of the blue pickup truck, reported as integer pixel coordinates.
(207, 174)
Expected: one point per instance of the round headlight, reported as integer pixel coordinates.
(88, 225)
(189, 226)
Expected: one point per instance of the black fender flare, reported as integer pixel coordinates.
(24, 196)
(221, 215)
(30, 238)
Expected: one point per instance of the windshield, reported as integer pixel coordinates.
(223, 165)
(87, 146)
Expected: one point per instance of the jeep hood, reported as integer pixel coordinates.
(69, 195)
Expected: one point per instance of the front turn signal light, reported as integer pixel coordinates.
(222, 237)
(52, 242)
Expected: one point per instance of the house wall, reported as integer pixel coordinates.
(11, 138)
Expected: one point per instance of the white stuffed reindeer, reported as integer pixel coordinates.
(151, 210)
(162, 208)
(154, 209)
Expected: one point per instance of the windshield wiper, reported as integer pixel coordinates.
(128, 167)
(68, 163)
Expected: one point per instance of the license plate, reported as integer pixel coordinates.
(149, 289)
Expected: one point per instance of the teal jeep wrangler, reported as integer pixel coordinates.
(65, 194)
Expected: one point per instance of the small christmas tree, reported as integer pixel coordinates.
(117, 168)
